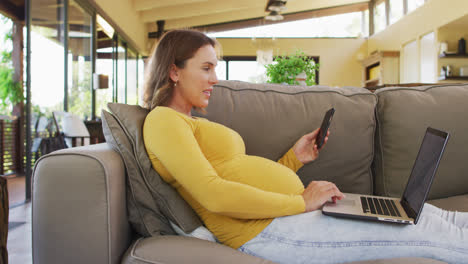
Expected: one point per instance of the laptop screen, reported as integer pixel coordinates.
(424, 168)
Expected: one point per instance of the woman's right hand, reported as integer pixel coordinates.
(318, 193)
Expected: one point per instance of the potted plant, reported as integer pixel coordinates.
(287, 69)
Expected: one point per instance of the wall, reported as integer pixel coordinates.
(427, 18)
(339, 64)
(434, 16)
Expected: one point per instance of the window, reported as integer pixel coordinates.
(410, 72)
(428, 58)
(47, 48)
(413, 4)
(342, 25)
(104, 62)
(79, 61)
(245, 69)
(379, 17)
(121, 72)
(132, 94)
(396, 10)
(6, 45)
(365, 24)
(141, 79)
(221, 70)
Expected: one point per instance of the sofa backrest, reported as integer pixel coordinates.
(271, 118)
(403, 114)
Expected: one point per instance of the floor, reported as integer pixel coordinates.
(19, 228)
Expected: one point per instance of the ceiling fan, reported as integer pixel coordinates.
(275, 7)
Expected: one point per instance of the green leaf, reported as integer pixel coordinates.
(286, 69)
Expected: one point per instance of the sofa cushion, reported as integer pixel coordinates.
(151, 201)
(403, 114)
(271, 118)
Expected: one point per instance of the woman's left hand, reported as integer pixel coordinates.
(306, 149)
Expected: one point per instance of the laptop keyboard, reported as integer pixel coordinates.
(379, 206)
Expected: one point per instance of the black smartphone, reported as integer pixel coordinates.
(324, 127)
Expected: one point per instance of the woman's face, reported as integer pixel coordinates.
(195, 81)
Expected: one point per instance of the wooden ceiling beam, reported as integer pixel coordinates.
(287, 18)
(211, 19)
(105, 43)
(11, 10)
(141, 5)
(200, 9)
(250, 13)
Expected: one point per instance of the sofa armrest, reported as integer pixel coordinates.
(78, 207)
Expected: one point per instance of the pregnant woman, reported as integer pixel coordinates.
(256, 205)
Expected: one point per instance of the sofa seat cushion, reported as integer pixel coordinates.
(455, 203)
(271, 118)
(174, 249)
(403, 115)
(177, 249)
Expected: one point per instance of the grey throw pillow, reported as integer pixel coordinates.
(152, 203)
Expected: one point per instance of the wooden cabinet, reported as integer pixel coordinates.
(381, 67)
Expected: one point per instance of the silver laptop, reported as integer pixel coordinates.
(405, 210)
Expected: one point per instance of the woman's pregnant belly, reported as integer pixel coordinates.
(261, 173)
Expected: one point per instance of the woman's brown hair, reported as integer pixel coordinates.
(175, 47)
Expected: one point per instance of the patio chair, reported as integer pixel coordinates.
(46, 139)
(72, 128)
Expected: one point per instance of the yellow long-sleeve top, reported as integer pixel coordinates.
(235, 195)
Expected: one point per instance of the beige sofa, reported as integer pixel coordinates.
(83, 208)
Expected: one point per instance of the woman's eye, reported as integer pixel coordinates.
(206, 68)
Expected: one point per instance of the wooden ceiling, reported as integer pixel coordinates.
(209, 14)
(12, 8)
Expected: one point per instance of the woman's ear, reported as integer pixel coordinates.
(174, 73)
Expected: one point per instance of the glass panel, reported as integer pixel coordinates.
(221, 70)
(365, 23)
(379, 17)
(141, 79)
(413, 4)
(248, 71)
(47, 55)
(104, 63)
(428, 58)
(6, 47)
(342, 25)
(396, 10)
(121, 73)
(132, 94)
(79, 61)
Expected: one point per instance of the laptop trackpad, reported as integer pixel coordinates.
(346, 202)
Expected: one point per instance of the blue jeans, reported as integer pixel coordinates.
(317, 238)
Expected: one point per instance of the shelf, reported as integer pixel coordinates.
(372, 80)
(442, 78)
(453, 55)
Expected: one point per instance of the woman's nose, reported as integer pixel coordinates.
(213, 78)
